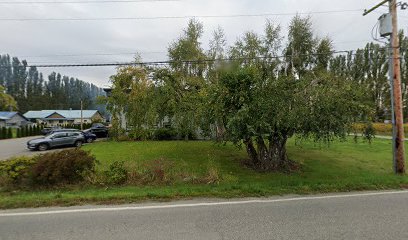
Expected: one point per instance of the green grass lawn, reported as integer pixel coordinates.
(343, 166)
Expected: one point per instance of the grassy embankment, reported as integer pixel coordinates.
(343, 166)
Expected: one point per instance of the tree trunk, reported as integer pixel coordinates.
(253, 156)
(268, 158)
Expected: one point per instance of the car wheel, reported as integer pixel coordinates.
(89, 140)
(78, 144)
(43, 147)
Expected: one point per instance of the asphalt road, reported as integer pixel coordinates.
(374, 215)
(15, 147)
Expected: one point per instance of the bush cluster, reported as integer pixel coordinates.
(378, 128)
(50, 169)
(62, 167)
(6, 133)
(26, 131)
(16, 171)
(76, 166)
(117, 174)
(165, 134)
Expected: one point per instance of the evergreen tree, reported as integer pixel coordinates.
(4, 132)
(18, 132)
(28, 87)
(9, 133)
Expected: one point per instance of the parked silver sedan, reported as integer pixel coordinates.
(57, 139)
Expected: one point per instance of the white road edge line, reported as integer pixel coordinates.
(111, 209)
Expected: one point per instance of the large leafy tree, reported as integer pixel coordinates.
(262, 113)
(7, 102)
(264, 101)
(258, 100)
(186, 79)
(132, 96)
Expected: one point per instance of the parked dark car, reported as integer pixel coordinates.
(89, 136)
(62, 130)
(100, 130)
(57, 139)
(47, 130)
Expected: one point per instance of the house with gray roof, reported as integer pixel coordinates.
(13, 119)
(63, 117)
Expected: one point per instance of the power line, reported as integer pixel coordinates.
(181, 17)
(134, 53)
(91, 54)
(168, 62)
(156, 63)
(83, 2)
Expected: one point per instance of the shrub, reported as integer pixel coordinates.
(165, 134)
(157, 171)
(369, 132)
(62, 167)
(9, 133)
(4, 132)
(212, 176)
(30, 131)
(16, 170)
(23, 132)
(117, 173)
(18, 132)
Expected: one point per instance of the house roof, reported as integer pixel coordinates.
(8, 115)
(67, 114)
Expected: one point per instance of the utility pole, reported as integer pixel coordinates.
(399, 141)
(82, 117)
(396, 93)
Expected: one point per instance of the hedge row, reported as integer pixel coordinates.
(27, 131)
(6, 133)
(380, 128)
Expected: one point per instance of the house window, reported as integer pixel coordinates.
(61, 121)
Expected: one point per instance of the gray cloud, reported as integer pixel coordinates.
(348, 30)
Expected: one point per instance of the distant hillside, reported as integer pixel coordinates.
(32, 92)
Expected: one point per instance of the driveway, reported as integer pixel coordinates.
(366, 215)
(15, 147)
(18, 147)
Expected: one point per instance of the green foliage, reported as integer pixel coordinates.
(165, 134)
(16, 171)
(19, 135)
(32, 92)
(116, 174)
(134, 92)
(23, 132)
(157, 171)
(256, 99)
(9, 133)
(301, 43)
(62, 167)
(7, 102)
(3, 133)
(369, 132)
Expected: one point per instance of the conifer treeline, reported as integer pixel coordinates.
(33, 91)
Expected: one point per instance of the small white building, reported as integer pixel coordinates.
(63, 117)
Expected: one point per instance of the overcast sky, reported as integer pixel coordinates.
(48, 41)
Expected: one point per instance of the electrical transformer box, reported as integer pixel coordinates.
(385, 25)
